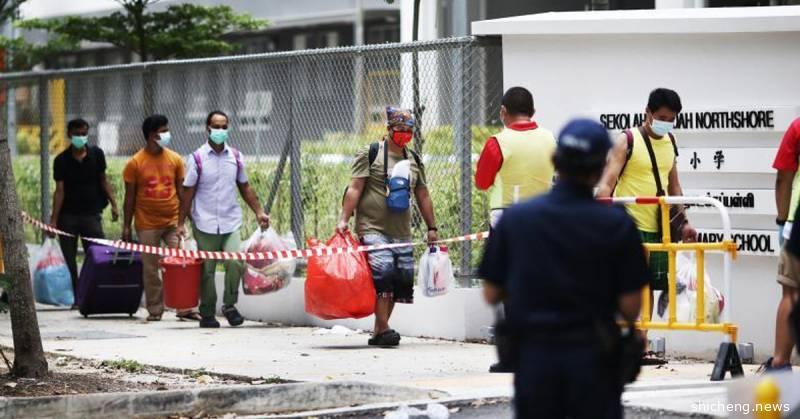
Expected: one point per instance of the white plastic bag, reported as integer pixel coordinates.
(402, 169)
(686, 276)
(52, 281)
(268, 275)
(435, 271)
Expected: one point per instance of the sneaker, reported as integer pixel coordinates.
(233, 316)
(386, 339)
(500, 368)
(767, 368)
(209, 322)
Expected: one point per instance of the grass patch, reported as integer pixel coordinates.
(126, 365)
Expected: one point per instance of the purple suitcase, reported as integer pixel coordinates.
(110, 281)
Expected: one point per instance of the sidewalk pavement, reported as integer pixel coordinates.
(311, 354)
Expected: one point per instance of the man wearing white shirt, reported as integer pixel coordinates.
(214, 173)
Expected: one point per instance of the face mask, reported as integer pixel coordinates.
(661, 128)
(401, 138)
(164, 139)
(79, 141)
(218, 136)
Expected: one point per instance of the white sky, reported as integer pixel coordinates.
(46, 8)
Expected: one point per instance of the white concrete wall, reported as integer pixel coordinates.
(572, 75)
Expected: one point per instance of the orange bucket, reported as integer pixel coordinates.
(181, 278)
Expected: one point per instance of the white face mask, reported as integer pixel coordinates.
(164, 139)
(661, 128)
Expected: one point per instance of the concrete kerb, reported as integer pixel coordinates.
(239, 400)
(378, 409)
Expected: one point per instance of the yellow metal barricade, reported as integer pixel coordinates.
(727, 247)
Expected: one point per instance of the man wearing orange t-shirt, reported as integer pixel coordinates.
(153, 179)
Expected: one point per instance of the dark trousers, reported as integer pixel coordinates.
(79, 225)
(562, 380)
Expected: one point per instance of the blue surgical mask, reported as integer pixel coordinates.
(164, 139)
(79, 141)
(661, 128)
(218, 136)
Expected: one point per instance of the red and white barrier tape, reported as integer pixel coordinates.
(284, 254)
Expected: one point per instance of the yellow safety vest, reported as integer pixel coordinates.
(527, 168)
(637, 178)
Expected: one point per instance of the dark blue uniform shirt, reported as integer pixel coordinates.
(563, 258)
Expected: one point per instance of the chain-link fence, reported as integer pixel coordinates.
(298, 118)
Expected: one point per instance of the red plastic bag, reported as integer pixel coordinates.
(339, 286)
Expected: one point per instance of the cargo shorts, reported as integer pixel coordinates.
(788, 269)
(392, 269)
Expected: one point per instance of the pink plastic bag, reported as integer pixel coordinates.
(268, 275)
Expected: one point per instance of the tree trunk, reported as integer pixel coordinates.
(29, 359)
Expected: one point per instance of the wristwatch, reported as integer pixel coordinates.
(780, 222)
(433, 229)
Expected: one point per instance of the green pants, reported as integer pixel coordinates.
(659, 263)
(233, 270)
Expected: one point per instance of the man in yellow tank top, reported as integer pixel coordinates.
(516, 163)
(630, 173)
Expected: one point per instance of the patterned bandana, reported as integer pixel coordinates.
(395, 117)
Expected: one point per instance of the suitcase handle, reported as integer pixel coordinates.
(118, 252)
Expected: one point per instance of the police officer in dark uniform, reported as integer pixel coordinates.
(567, 267)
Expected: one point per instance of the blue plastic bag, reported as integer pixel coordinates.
(52, 282)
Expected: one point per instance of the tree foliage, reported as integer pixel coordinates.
(9, 9)
(25, 55)
(179, 31)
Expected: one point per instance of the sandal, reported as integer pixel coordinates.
(154, 318)
(650, 358)
(386, 339)
(189, 315)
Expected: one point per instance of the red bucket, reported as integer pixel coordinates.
(181, 281)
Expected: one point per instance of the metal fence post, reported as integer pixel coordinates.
(148, 91)
(463, 136)
(295, 177)
(44, 143)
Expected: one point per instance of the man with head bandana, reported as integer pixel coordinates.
(381, 220)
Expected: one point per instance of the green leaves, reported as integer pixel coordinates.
(179, 31)
(25, 56)
(9, 9)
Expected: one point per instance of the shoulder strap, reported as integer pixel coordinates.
(386, 157)
(373, 152)
(238, 157)
(629, 153)
(653, 162)
(674, 145)
(416, 157)
(385, 162)
(198, 164)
